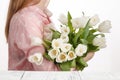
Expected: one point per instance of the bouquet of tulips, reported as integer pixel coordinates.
(76, 38)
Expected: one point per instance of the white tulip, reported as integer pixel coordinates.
(53, 53)
(71, 55)
(100, 42)
(56, 43)
(48, 36)
(105, 26)
(47, 31)
(63, 19)
(65, 30)
(79, 22)
(94, 20)
(37, 58)
(81, 49)
(66, 47)
(65, 38)
(76, 23)
(62, 57)
(50, 26)
(36, 41)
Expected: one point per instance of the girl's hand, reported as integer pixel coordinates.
(89, 56)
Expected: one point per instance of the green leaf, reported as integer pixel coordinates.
(56, 34)
(66, 66)
(81, 61)
(47, 57)
(52, 30)
(80, 67)
(93, 30)
(90, 38)
(92, 48)
(73, 63)
(102, 35)
(81, 64)
(46, 45)
(86, 30)
(84, 41)
(47, 42)
(71, 35)
(69, 22)
(77, 36)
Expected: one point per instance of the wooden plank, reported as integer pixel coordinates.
(32, 75)
(52, 76)
(10, 75)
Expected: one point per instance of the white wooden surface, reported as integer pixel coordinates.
(16, 75)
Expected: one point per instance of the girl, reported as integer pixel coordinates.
(27, 19)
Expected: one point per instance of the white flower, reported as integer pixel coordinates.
(76, 22)
(56, 43)
(71, 55)
(36, 41)
(50, 26)
(81, 49)
(66, 47)
(65, 38)
(105, 26)
(37, 58)
(62, 57)
(94, 20)
(65, 30)
(48, 36)
(63, 19)
(79, 22)
(53, 53)
(100, 42)
(48, 32)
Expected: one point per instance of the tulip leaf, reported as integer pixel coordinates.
(93, 31)
(56, 34)
(77, 36)
(102, 35)
(69, 22)
(93, 48)
(73, 63)
(84, 41)
(86, 30)
(47, 42)
(80, 67)
(90, 38)
(81, 64)
(65, 66)
(47, 57)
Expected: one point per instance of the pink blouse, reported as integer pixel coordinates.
(26, 23)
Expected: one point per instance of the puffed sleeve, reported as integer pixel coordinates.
(28, 38)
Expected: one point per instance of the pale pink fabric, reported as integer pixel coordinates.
(26, 23)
